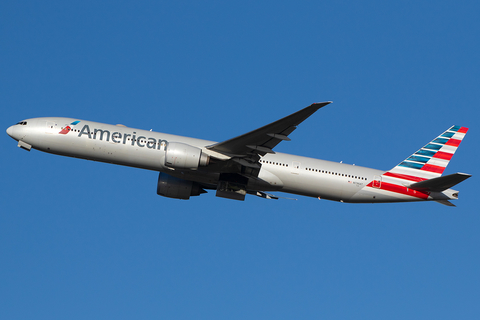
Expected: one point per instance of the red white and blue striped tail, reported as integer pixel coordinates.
(431, 160)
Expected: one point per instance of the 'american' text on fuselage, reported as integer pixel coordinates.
(118, 137)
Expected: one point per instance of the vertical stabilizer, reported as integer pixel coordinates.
(431, 160)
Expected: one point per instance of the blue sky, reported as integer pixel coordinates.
(80, 239)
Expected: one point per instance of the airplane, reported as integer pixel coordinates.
(247, 164)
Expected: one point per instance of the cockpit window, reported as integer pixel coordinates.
(22, 123)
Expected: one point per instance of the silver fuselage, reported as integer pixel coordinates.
(144, 149)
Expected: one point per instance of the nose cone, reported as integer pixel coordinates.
(11, 132)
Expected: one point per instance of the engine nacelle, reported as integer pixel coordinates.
(172, 187)
(183, 156)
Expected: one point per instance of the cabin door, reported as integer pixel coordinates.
(295, 167)
(377, 182)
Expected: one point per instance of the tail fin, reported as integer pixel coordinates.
(431, 160)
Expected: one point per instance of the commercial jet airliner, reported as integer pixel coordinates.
(247, 164)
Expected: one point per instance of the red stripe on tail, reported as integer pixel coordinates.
(453, 142)
(443, 155)
(404, 176)
(432, 168)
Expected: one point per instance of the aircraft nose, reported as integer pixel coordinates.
(11, 131)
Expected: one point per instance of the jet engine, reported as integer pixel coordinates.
(183, 156)
(172, 187)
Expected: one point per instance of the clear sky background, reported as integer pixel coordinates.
(87, 240)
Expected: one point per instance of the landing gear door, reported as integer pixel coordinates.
(232, 186)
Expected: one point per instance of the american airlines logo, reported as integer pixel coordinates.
(118, 137)
(67, 129)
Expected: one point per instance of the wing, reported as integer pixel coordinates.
(248, 147)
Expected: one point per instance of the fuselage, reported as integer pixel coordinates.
(121, 145)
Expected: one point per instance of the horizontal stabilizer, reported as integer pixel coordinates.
(440, 183)
(446, 203)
